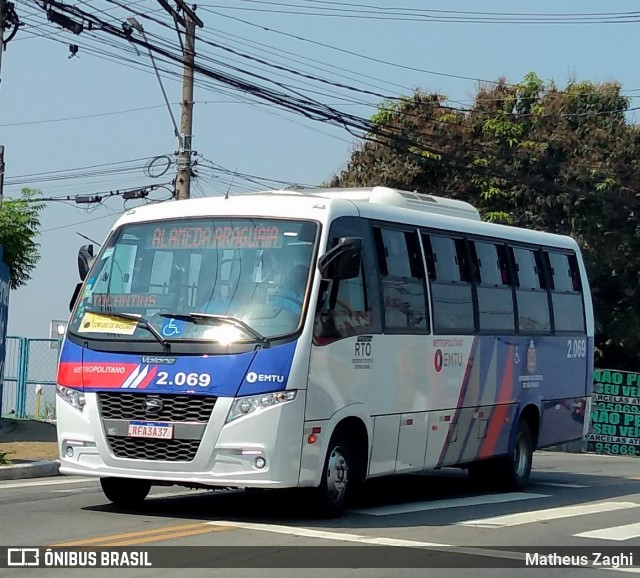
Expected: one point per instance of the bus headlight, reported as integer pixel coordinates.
(73, 397)
(246, 405)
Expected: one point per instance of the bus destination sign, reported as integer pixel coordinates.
(212, 236)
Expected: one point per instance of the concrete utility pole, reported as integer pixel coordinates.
(183, 179)
(186, 17)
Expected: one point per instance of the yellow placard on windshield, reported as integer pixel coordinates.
(92, 323)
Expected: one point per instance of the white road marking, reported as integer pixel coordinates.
(558, 485)
(325, 535)
(630, 569)
(618, 533)
(183, 493)
(381, 541)
(549, 514)
(449, 503)
(52, 482)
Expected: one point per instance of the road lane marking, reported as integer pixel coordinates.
(46, 483)
(133, 535)
(448, 503)
(559, 485)
(381, 541)
(183, 493)
(548, 514)
(326, 535)
(617, 533)
(204, 529)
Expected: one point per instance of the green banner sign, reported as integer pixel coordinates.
(615, 413)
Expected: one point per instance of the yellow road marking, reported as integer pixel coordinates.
(194, 532)
(141, 534)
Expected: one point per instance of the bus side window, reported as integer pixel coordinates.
(531, 292)
(345, 307)
(403, 280)
(566, 296)
(451, 289)
(495, 296)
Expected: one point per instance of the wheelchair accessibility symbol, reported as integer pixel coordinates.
(172, 328)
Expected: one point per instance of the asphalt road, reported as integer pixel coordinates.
(574, 500)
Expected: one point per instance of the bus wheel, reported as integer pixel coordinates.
(516, 468)
(125, 492)
(509, 472)
(336, 482)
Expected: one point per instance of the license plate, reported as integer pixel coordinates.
(150, 429)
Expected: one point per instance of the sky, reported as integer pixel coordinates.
(124, 123)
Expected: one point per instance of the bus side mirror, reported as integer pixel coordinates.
(85, 260)
(74, 297)
(342, 261)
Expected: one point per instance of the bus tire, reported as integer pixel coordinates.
(338, 478)
(125, 492)
(510, 472)
(515, 469)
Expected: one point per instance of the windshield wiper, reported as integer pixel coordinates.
(212, 317)
(141, 321)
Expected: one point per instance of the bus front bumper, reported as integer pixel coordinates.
(260, 450)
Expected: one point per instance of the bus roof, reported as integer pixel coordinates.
(394, 198)
(324, 204)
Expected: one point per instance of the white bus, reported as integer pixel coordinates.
(319, 338)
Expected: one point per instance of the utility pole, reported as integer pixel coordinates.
(183, 179)
(185, 17)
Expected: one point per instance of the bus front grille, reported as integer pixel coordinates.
(166, 407)
(152, 449)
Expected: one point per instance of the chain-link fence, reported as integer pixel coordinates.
(29, 385)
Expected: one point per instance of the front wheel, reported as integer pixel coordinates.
(125, 492)
(337, 478)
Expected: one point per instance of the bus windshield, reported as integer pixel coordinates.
(188, 278)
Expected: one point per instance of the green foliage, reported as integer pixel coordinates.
(4, 458)
(534, 156)
(19, 226)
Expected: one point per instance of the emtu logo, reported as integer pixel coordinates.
(438, 360)
(252, 377)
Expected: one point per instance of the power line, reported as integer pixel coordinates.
(117, 213)
(83, 116)
(435, 16)
(296, 102)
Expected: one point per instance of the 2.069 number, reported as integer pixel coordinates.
(181, 378)
(576, 348)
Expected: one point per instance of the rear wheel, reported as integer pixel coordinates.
(516, 468)
(125, 492)
(510, 472)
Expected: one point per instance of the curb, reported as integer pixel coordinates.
(40, 469)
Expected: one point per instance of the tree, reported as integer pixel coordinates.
(19, 227)
(531, 155)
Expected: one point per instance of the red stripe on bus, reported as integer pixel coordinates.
(499, 413)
